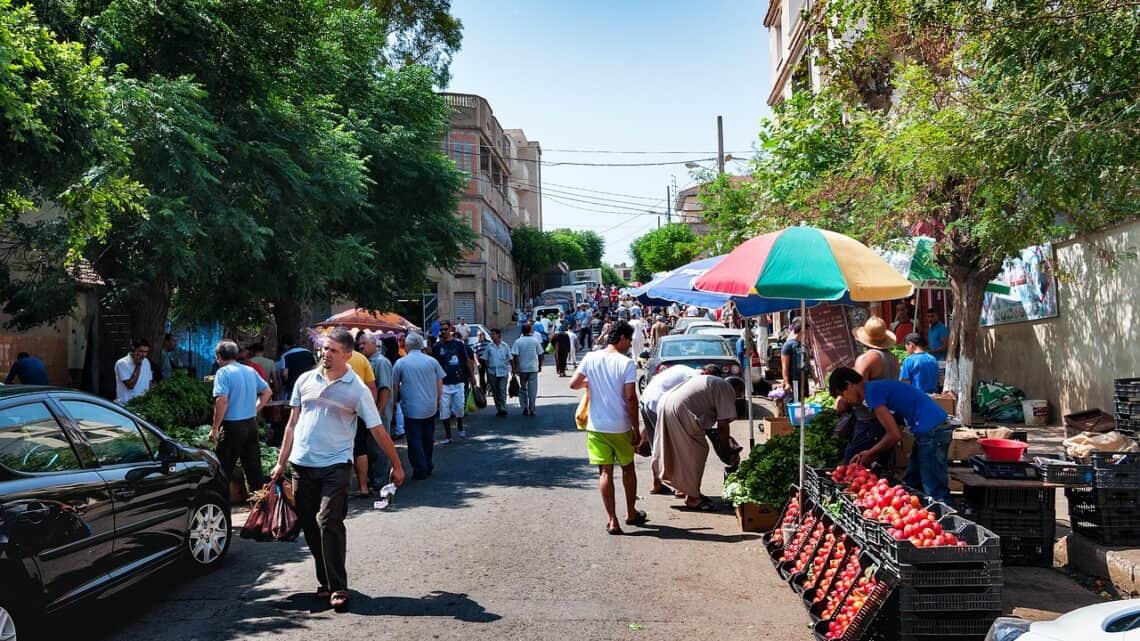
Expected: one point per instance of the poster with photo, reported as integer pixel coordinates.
(1032, 289)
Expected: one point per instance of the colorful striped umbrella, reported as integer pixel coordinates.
(914, 258)
(805, 263)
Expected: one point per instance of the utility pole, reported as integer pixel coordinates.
(668, 207)
(720, 145)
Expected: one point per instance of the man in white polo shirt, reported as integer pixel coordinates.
(318, 443)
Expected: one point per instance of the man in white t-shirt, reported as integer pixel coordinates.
(132, 373)
(462, 330)
(612, 433)
(527, 357)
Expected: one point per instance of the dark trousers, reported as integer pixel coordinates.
(237, 440)
(321, 494)
(420, 435)
(584, 339)
(499, 391)
(483, 377)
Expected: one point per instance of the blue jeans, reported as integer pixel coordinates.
(927, 467)
(420, 435)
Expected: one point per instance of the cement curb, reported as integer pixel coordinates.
(1121, 566)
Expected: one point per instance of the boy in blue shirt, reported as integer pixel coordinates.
(919, 369)
(925, 419)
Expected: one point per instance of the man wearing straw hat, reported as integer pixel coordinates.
(875, 364)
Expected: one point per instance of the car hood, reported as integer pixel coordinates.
(1087, 622)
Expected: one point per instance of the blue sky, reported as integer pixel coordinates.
(621, 75)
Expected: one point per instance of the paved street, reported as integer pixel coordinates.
(505, 541)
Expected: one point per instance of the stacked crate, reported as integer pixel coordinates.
(1024, 518)
(1127, 403)
(1110, 511)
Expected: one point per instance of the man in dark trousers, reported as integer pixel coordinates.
(239, 393)
(318, 444)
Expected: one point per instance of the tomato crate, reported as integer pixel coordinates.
(819, 486)
(952, 575)
(850, 517)
(1076, 474)
(942, 625)
(981, 545)
(1108, 534)
(803, 581)
(808, 549)
(773, 539)
(1127, 387)
(813, 596)
(865, 616)
(1031, 551)
(1042, 499)
(803, 537)
(1101, 497)
(917, 600)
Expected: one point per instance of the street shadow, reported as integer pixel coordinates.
(458, 606)
(703, 534)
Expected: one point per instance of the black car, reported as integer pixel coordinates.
(93, 498)
(693, 350)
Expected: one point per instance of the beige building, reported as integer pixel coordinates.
(788, 30)
(503, 191)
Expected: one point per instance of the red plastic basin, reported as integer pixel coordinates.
(1002, 449)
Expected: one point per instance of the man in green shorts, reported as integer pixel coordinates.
(612, 433)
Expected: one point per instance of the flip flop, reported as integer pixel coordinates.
(662, 491)
(639, 519)
(705, 505)
(339, 600)
(614, 531)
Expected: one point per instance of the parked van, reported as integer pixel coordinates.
(565, 296)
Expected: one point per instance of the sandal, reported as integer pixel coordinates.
(339, 600)
(614, 530)
(639, 519)
(323, 593)
(704, 505)
(662, 491)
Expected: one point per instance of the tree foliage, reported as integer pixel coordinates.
(535, 251)
(662, 249)
(611, 277)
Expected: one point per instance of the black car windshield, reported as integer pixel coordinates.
(694, 348)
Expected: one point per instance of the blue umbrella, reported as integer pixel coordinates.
(676, 286)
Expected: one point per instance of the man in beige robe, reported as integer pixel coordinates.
(680, 448)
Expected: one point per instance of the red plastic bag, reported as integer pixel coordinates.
(272, 517)
(285, 525)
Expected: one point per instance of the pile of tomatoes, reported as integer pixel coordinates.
(847, 577)
(818, 532)
(830, 553)
(797, 543)
(902, 512)
(864, 588)
(833, 568)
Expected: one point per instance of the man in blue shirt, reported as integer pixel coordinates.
(919, 369)
(239, 393)
(925, 419)
(937, 335)
(29, 369)
(417, 381)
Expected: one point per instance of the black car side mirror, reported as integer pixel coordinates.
(169, 452)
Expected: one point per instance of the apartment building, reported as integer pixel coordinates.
(793, 67)
(503, 191)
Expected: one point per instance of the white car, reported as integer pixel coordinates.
(1112, 621)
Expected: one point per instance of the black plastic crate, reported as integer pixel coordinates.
(1076, 474)
(1130, 386)
(1123, 477)
(1016, 470)
(1040, 525)
(816, 610)
(951, 575)
(809, 549)
(875, 602)
(916, 600)
(999, 498)
(819, 486)
(1127, 409)
(1111, 516)
(1109, 535)
(1098, 497)
(1027, 551)
(981, 545)
(976, 625)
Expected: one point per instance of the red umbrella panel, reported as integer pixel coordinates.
(362, 319)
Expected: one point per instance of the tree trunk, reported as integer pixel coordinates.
(968, 283)
(148, 311)
(287, 313)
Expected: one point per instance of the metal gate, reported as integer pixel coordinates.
(464, 307)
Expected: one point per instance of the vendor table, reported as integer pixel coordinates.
(1022, 512)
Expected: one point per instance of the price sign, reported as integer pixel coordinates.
(832, 344)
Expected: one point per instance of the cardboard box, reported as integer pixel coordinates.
(777, 427)
(965, 442)
(902, 451)
(947, 402)
(756, 518)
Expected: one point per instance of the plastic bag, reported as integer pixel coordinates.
(1084, 444)
(513, 387)
(470, 407)
(480, 397)
(285, 525)
(272, 517)
(1000, 402)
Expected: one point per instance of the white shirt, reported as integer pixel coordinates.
(463, 330)
(607, 373)
(124, 369)
(660, 384)
(528, 349)
(638, 344)
(692, 311)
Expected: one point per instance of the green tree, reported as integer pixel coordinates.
(662, 249)
(532, 252)
(611, 277)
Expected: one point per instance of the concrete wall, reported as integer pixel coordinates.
(1072, 359)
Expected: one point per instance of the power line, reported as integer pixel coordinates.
(631, 212)
(588, 199)
(560, 163)
(608, 193)
(648, 153)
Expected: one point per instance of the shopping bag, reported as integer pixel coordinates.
(550, 348)
(513, 387)
(480, 397)
(260, 515)
(582, 415)
(469, 406)
(284, 526)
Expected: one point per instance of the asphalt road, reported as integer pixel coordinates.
(506, 541)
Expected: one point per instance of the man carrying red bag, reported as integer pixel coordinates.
(318, 443)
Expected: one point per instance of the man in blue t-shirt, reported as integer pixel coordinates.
(919, 369)
(925, 419)
(29, 369)
(458, 361)
(239, 393)
(937, 335)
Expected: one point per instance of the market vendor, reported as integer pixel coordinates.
(875, 364)
(926, 420)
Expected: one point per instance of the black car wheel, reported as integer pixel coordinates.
(13, 611)
(208, 538)
(640, 384)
